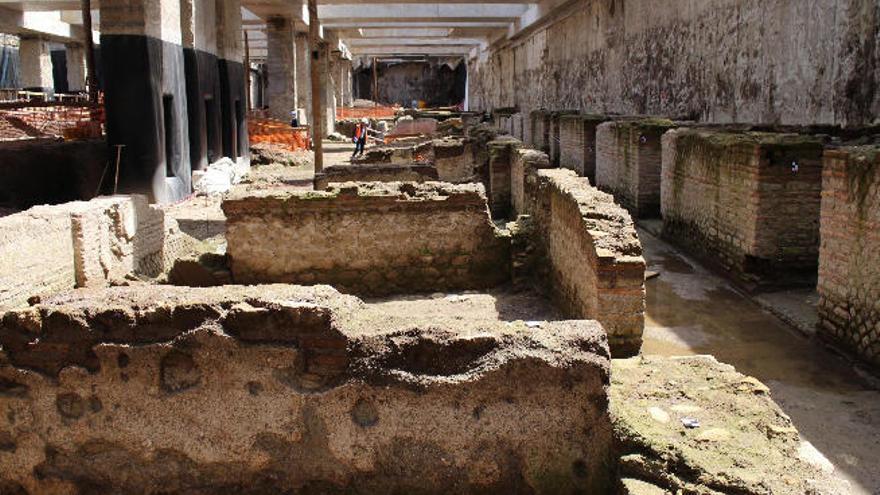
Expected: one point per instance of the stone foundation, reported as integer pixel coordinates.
(739, 200)
(849, 257)
(368, 238)
(285, 389)
(454, 159)
(336, 174)
(401, 154)
(577, 144)
(540, 130)
(590, 258)
(628, 162)
(500, 159)
(554, 135)
(523, 165)
(48, 249)
(745, 443)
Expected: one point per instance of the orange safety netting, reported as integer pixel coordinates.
(368, 112)
(263, 130)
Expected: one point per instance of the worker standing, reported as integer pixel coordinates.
(360, 137)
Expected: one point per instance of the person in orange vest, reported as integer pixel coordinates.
(360, 137)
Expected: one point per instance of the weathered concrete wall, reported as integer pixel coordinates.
(48, 249)
(628, 160)
(748, 202)
(436, 83)
(591, 255)
(368, 238)
(454, 159)
(284, 389)
(849, 257)
(577, 144)
(335, 174)
(767, 61)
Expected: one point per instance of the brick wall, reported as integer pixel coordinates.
(523, 166)
(47, 249)
(369, 238)
(540, 130)
(735, 199)
(577, 146)
(592, 260)
(628, 160)
(500, 160)
(335, 174)
(849, 258)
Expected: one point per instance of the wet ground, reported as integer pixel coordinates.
(692, 311)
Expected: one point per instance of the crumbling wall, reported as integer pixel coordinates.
(554, 135)
(591, 255)
(335, 174)
(748, 202)
(712, 60)
(401, 154)
(500, 160)
(540, 133)
(524, 163)
(577, 144)
(48, 249)
(454, 160)
(368, 238)
(285, 389)
(849, 258)
(628, 162)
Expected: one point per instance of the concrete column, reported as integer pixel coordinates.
(281, 66)
(303, 83)
(36, 64)
(233, 100)
(329, 82)
(146, 96)
(76, 67)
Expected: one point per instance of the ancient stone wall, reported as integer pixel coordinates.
(849, 258)
(577, 144)
(709, 60)
(523, 166)
(47, 249)
(401, 154)
(285, 389)
(500, 161)
(591, 255)
(540, 133)
(628, 160)
(335, 174)
(454, 160)
(748, 202)
(368, 238)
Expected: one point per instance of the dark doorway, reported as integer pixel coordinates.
(170, 134)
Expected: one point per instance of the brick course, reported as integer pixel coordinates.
(735, 199)
(577, 146)
(628, 160)
(849, 257)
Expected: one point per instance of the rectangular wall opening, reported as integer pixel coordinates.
(170, 134)
(239, 128)
(211, 131)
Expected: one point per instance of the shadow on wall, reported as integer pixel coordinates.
(39, 172)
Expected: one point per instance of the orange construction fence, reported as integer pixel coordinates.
(368, 112)
(264, 130)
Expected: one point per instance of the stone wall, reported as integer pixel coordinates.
(748, 202)
(48, 249)
(523, 166)
(335, 174)
(500, 160)
(285, 389)
(628, 160)
(709, 60)
(554, 135)
(454, 160)
(368, 238)
(592, 260)
(400, 154)
(849, 257)
(540, 130)
(577, 144)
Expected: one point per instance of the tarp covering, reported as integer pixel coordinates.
(10, 71)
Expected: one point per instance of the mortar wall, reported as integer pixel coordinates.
(849, 258)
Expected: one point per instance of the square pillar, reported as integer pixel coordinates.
(36, 64)
(76, 67)
(303, 81)
(281, 66)
(145, 96)
(329, 80)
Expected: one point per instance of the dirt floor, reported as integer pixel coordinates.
(692, 311)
